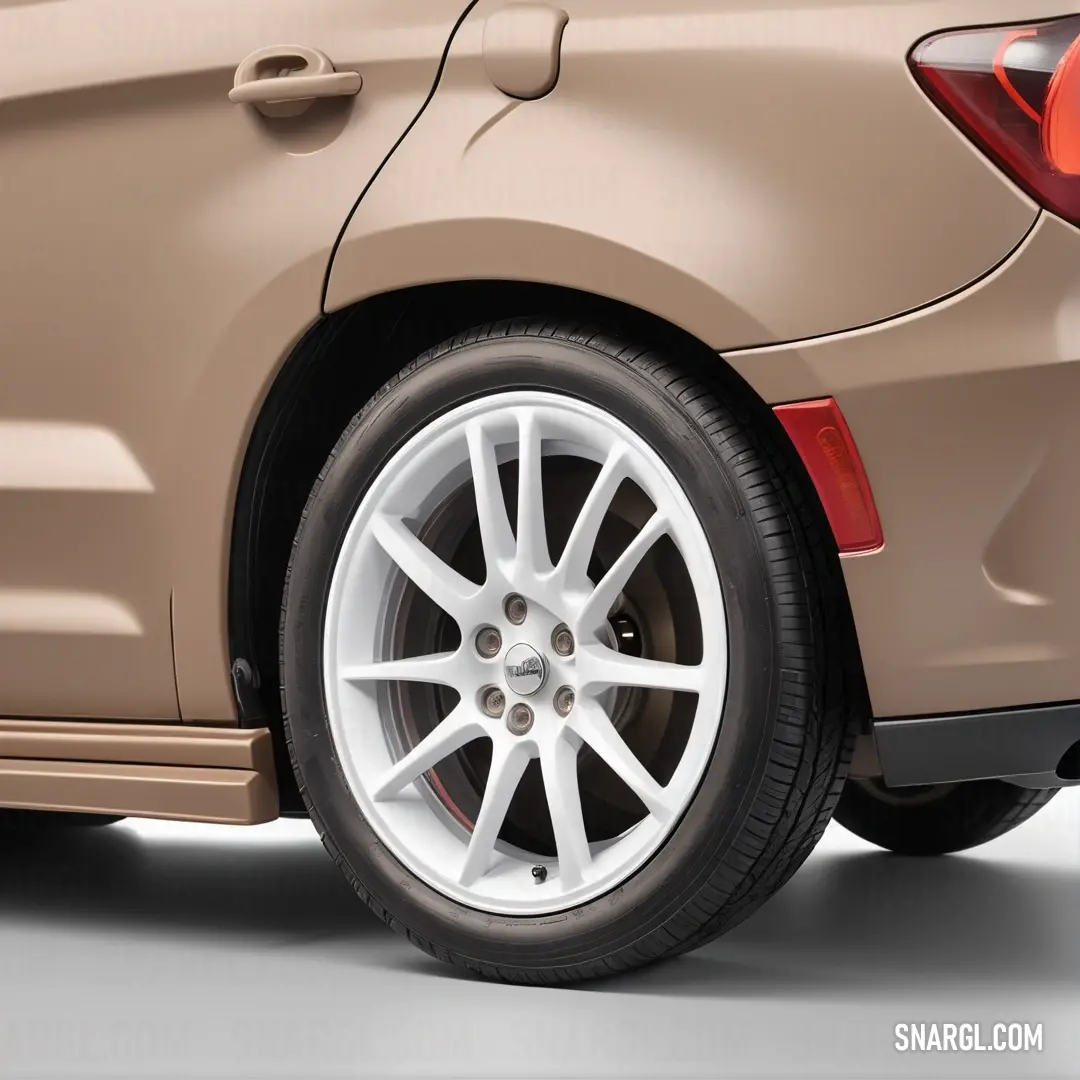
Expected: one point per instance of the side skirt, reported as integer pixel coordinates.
(139, 770)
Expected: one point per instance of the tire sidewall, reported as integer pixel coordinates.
(710, 826)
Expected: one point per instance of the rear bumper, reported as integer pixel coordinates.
(1033, 747)
(967, 417)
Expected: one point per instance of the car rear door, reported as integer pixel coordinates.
(158, 240)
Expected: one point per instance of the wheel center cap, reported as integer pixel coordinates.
(525, 669)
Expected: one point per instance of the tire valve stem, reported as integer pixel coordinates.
(539, 874)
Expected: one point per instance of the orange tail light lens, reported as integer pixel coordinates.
(1015, 92)
(1061, 114)
(821, 436)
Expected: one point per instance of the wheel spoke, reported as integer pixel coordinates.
(574, 561)
(594, 726)
(532, 545)
(444, 585)
(443, 669)
(456, 730)
(508, 763)
(559, 763)
(495, 532)
(605, 594)
(602, 667)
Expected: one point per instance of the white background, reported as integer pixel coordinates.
(165, 950)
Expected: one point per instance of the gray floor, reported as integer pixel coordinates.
(162, 950)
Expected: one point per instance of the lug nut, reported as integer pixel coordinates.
(488, 642)
(515, 608)
(562, 641)
(493, 701)
(520, 719)
(564, 700)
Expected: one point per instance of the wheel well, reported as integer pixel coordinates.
(335, 368)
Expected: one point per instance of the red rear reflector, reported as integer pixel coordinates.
(823, 440)
(1015, 92)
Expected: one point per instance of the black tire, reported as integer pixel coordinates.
(936, 819)
(787, 734)
(25, 820)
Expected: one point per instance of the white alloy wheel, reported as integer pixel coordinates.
(564, 652)
(535, 666)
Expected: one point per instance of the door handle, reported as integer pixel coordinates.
(290, 73)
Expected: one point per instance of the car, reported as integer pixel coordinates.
(569, 452)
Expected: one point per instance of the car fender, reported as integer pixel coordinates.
(697, 163)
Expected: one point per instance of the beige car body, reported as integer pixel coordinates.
(765, 176)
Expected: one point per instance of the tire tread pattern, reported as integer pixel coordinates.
(963, 816)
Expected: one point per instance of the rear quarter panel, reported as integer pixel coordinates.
(754, 172)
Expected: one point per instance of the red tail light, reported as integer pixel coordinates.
(1015, 92)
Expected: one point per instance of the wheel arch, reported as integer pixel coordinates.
(331, 372)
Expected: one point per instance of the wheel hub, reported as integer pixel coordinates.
(524, 669)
